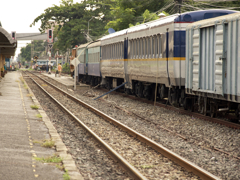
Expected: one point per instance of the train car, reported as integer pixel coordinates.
(89, 66)
(82, 66)
(93, 63)
(213, 64)
(149, 54)
(42, 63)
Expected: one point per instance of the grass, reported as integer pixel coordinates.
(21, 78)
(34, 106)
(60, 166)
(39, 115)
(37, 142)
(146, 166)
(48, 143)
(25, 86)
(66, 175)
(29, 95)
(50, 159)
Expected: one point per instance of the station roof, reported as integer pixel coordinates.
(7, 44)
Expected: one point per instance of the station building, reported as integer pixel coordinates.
(8, 47)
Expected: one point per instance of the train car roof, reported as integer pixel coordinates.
(213, 21)
(139, 27)
(194, 16)
(93, 44)
(83, 45)
(46, 60)
(187, 17)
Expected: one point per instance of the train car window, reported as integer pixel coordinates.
(113, 51)
(122, 50)
(153, 46)
(212, 15)
(115, 54)
(137, 44)
(130, 46)
(131, 49)
(116, 50)
(144, 47)
(139, 49)
(156, 46)
(108, 52)
(149, 47)
(134, 49)
(159, 46)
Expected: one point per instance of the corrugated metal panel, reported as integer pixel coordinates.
(218, 61)
(219, 57)
(207, 59)
(238, 56)
(195, 59)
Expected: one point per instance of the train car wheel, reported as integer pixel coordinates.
(205, 106)
(212, 110)
(237, 111)
(185, 106)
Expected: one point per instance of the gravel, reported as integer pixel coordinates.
(137, 153)
(202, 136)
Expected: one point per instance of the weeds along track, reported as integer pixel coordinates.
(143, 154)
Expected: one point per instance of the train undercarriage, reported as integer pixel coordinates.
(174, 95)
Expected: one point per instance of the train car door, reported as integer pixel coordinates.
(125, 58)
(224, 59)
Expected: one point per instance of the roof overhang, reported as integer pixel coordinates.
(7, 44)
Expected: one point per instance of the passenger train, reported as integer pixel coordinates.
(148, 57)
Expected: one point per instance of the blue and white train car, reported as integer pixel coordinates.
(93, 63)
(213, 63)
(149, 54)
(82, 66)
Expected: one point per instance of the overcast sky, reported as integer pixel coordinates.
(17, 15)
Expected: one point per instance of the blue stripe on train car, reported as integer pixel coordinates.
(179, 43)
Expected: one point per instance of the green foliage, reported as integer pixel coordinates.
(34, 106)
(147, 16)
(66, 68)
(38, 47)
(66, 175)
(71, 21)
(51, 159)
(125, 13)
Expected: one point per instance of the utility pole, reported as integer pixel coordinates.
(179, 6)
(32, 52)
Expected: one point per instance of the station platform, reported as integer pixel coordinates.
(20, 129)
(66, 80)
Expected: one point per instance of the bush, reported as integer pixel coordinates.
(66, 68)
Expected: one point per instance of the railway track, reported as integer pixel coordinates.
(113, 139)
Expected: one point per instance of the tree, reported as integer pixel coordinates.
(71, 21)
(125, 13)
(38, 50)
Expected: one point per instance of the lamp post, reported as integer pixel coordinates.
(88, 23)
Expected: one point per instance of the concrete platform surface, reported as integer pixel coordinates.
(19, 129)
(66, 80)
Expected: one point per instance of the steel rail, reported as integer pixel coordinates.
(133, 172)
(159, 148)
